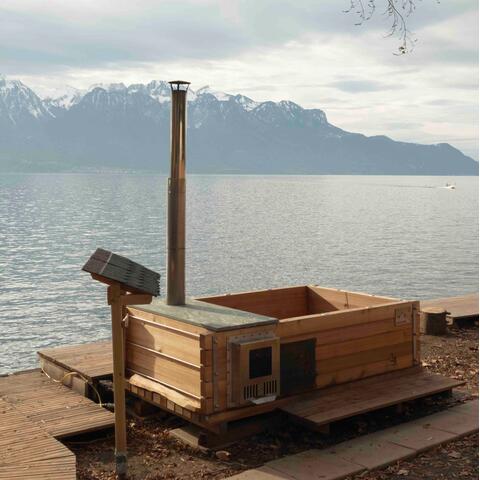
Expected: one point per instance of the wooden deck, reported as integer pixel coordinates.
(56, 409)
(28, 452)
(91, 360)
(339, 402)
(461, 307)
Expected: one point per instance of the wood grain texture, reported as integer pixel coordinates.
(343, 299)
(165, 370)
(28, 452)
(356, 335)
(55, 408)
(339, 402)
(463, 306)
(277, 302)
(92, 360)
(164, 341)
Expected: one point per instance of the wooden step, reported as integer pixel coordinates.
(342, 401)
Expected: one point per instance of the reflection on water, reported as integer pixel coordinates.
(364, 233)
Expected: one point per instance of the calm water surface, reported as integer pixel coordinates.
(398, 236)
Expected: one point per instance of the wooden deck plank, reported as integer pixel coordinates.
(27, 451)
(336, 403)
(92, 360)
(459, 307)
(54, 407)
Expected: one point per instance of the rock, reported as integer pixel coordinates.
(223, 455)
(455, 454)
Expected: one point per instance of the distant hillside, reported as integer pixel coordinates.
(118, 127)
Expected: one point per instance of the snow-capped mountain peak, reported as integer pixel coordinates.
(18, 102)
(220, 96)
(246, 102)
(64, 98)
(108, 87)
(159, 90)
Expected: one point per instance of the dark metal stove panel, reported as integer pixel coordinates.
(297, 366)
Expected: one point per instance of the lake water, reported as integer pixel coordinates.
(397, 236)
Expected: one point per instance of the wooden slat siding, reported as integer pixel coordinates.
(366, 343)
(361, 324)
(92, 360)
(329, 321)
(335, 335)
(366, 357)
(276, 303)
(27, 451)
(361, 350)
(194, 347)
(54, 407)
(351, 352)
(168, 342)
(343, 299)
(337, 403)
(184, 377)
(363, 371)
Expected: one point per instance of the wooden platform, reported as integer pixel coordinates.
(28, 452)
(55, 408)
(91, 360)
(339, 402)
(464, 306)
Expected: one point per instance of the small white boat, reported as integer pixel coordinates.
(450, 186)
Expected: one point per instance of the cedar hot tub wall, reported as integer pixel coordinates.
(291, 302)
(171, 359)
(357, 335)
(356, 343)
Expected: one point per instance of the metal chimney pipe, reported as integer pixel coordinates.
(176, 196)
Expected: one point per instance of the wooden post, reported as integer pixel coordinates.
(115, 301)
(433, 321)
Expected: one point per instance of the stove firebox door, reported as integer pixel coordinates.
(297, 366)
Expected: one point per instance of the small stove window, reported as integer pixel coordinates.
(260, 362)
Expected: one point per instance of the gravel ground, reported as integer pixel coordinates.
(154, 454)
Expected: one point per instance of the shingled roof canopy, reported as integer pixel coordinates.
(116, 268)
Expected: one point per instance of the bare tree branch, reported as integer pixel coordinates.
(396, 10)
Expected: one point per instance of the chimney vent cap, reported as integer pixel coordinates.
(179, 85)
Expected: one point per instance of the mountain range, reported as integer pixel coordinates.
(118, 127)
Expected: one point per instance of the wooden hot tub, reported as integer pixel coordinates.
(218, 359)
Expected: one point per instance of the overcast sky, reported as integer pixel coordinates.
(307, 51)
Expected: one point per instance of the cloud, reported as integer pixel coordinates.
(307, 51)
(57, 35)
(356, 86)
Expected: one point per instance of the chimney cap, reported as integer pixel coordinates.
(179, 85)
